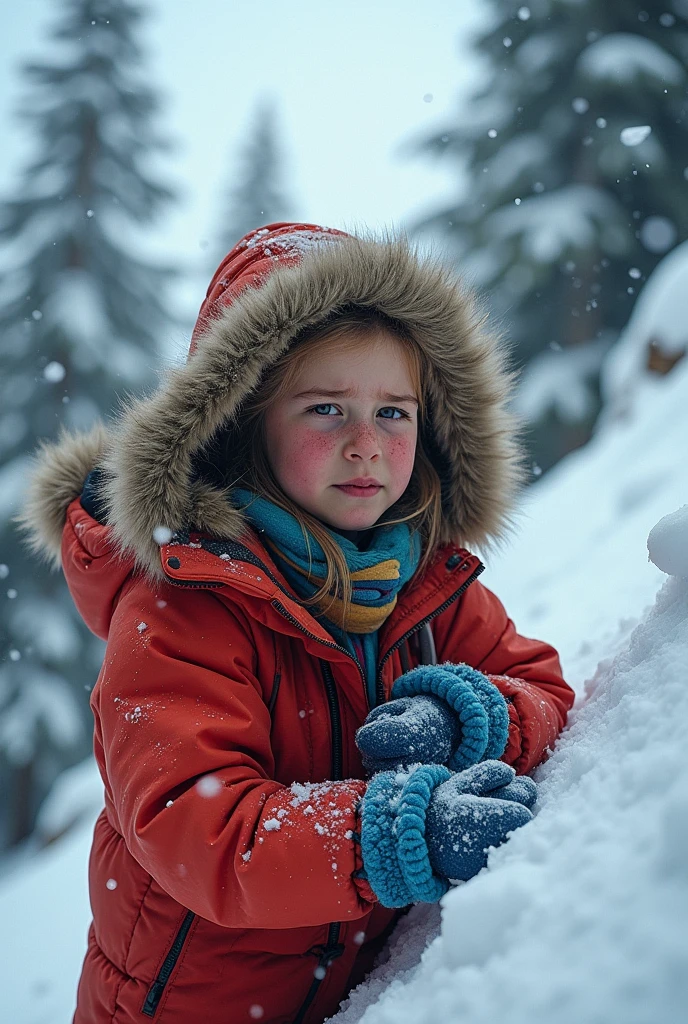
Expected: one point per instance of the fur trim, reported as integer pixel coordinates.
(470, 435)
(58, 478)
(150, 461)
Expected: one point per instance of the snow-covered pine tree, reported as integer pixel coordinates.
(565, 211)
(256, 197)
(81, 316)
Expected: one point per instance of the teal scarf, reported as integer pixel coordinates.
(377, 574)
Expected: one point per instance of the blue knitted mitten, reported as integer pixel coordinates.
(410, 730)
(439, 714)
(421, 828)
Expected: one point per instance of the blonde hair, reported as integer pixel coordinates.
(245, 462)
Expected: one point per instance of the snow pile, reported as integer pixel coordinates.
(46, 910)
(581, 916)
(578, 573)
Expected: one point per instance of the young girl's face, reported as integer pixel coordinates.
(350, 415)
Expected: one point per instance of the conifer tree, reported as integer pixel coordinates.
(81, 315)
(567, 209)
(257, 197)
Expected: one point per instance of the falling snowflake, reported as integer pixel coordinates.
(635, 135)
(658, 234)
(54, 372)
(208, 785)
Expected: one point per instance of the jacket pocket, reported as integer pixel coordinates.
(158, 987)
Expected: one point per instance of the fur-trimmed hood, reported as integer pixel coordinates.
(276, 281)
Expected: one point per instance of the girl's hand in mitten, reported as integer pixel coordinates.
(422, 828)
(481, 712)
(496, 779)
(410, 730)
(461, 827)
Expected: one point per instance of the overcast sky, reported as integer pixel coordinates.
(352, 80)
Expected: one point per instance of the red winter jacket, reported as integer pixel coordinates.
(221, 874)
(222, 864)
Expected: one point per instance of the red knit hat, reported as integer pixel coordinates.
(251, 261)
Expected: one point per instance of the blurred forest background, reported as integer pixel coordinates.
(570, 159)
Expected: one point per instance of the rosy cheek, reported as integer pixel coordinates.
(400, 453)
(307, 451)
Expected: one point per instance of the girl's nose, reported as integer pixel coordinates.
(362, 443)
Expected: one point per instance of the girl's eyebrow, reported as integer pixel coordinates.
(322, 393)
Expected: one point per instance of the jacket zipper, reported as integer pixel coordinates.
(158, 987)
(379, 690)
(193, 584)
(287, 615)
(275, 691)
(328, 953)
(333, 948)
(335, 720)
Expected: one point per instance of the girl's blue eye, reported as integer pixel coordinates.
(328, 405)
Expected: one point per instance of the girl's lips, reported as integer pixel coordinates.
(358, 492)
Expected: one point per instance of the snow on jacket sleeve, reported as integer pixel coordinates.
(477, 630)
(183, 740)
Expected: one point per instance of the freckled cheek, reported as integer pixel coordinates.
(400, 453)
(306, 453)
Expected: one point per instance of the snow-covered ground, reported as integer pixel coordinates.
(582, 916)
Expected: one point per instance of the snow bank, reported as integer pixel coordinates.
(577, 572)
(582, 915)
(46, 913)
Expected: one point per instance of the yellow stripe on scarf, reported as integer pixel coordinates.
(361, 618)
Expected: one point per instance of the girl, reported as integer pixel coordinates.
(264, 543)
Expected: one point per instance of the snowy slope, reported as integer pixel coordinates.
(577, 573)
(46, 913)
(582, 915)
